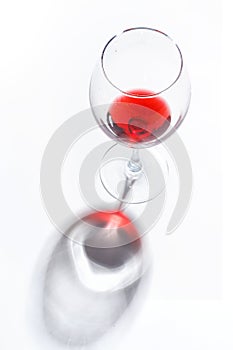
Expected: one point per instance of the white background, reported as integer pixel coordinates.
(47, 53)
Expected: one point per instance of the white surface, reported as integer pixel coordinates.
(48, 50)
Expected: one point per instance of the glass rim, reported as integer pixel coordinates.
(152, 94)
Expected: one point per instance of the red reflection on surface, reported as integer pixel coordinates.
(113, 220)
(113, 239)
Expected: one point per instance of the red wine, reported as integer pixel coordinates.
(139, 116)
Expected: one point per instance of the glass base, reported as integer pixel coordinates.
(146, 184)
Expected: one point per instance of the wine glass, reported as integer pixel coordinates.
(139, 95)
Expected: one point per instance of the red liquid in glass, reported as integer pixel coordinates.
(139, 116)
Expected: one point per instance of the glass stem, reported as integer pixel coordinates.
(133, 171)
(134, 164)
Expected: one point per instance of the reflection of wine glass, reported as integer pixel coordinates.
(97, 268)
(144, 91)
